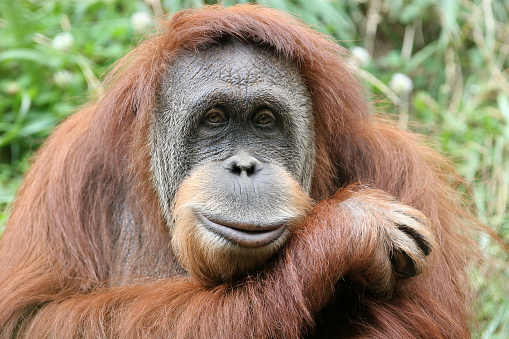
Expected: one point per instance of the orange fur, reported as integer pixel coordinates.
(57, 255)
(212, 259)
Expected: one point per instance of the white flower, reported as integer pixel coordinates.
(62, 78)
(473, 89)
(13, 88)
(63, 41)
(140, 21)
(401, 84)
(361, 54)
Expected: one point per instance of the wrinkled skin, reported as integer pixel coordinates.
(239, 79)
(246, 135)
(246, 115)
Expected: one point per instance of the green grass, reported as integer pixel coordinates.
(454, 51)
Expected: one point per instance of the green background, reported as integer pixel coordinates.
(454, 51)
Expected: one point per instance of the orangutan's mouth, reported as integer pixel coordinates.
(246, 235)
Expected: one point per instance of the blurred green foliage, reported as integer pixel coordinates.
(53, 52)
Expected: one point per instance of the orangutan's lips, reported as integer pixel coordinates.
(246, 235)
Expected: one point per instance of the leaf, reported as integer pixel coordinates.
(26, 54)
(35, 126)
(503, 105)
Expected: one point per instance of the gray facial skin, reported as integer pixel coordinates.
(211, 109)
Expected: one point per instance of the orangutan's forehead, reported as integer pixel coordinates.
(236, 64)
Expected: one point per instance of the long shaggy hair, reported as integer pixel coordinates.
(57, 251)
